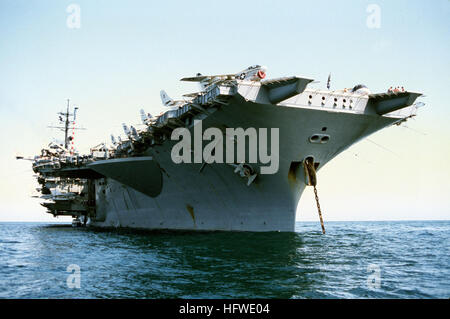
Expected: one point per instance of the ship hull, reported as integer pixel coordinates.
(214, 197)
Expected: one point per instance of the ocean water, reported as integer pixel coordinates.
(353, 260)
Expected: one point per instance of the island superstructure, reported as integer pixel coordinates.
(135, 182)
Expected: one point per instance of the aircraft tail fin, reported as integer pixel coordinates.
(166, 100)
(144, 116)
(126, 129)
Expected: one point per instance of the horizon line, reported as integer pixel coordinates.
(308, 221)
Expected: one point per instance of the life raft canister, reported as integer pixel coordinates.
(261, 74)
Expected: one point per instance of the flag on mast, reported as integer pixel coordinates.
(328, 82)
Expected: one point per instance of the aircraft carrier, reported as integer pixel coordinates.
(134, 182)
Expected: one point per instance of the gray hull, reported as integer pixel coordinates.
(137, 184)
(216, 198)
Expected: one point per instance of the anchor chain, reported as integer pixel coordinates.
(310, 173)
(318, 209)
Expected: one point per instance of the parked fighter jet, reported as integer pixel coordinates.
(167, 101)
(252, 73)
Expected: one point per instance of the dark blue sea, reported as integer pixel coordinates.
(353, 260)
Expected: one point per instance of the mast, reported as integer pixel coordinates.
(64, 117)
(66, 127)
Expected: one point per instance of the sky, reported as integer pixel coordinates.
(125, 52)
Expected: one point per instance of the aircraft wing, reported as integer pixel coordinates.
(196, 78)
(202, 78)
(191, 94)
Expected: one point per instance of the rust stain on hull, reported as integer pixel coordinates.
(292, 174)
(190, 209)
